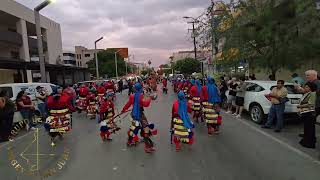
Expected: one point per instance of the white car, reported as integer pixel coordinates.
(30, 88)
(258, 105)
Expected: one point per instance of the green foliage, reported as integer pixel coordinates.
(106, 61)
(187, 66)
(275, 35)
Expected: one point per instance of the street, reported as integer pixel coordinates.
(241, 151)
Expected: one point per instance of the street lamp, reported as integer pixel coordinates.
(127, 63)
(39, 38)
(116, 62)
(96, 56)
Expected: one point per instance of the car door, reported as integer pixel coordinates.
(252, 94)
(249, 95)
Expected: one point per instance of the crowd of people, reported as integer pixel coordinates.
(202, 98)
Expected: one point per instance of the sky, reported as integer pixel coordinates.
(151, 29)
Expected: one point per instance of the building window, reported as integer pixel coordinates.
(79, 56)
(87, 55)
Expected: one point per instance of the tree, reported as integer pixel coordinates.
(187, 66)
(275, 35)
(106, 61)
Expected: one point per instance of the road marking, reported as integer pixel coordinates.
(301, 153)
(16, 139)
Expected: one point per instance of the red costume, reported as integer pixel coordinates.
(107, 125)
(83, 91)
(101, 93)
(91, 105)
(59, 121)
(82, 101)
(180, 133)
(164, 83)
(195, 96)
(210, 112)
(141, 123)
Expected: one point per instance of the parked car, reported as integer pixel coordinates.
(14, 88)
(258, 105)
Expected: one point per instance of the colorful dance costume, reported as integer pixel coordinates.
(101, 94)
(91, 105)
(82, 100)
(195, 92)
(181, 125)
(107, 124)
(210, 102)
(139, 120)
(60, 107)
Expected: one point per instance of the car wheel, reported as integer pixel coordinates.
(256, 113)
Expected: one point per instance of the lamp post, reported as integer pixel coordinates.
(116, 62)
(96, 56)
(127, 63)
(39, 38)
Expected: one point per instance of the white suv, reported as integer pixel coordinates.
(258, 105)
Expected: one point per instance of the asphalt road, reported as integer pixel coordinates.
(241, 151)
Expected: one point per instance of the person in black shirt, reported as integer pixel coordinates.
(6, 116)
(120, 86)
(223, 88)
(232, 94)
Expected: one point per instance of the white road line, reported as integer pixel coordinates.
(301, 153)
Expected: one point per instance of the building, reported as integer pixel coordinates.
(69, 58)
(19, 60)
(84, 55)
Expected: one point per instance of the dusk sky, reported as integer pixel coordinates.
(151, 29)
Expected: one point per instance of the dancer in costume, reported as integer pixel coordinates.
(110, 88)
(60, 108)
(186, 87)
(139, 120)
(181, 125)
(82, 99)
(164, 86)
(101, 94)
(107, 124)
(91, 105)
(210, 102)
(195, 93)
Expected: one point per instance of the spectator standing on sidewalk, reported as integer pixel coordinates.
(241, 89)
(297, 79)
(223, 87)
(6, 117)
(41, 96)
(306, 110)
(278, 98)
(232, 94)
(312, 76)
(26, 108)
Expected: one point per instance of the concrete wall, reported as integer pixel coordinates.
(52, 33)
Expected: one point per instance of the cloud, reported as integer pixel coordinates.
(152, 29)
